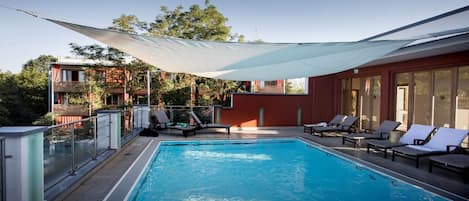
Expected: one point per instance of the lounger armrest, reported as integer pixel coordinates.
(457, 149)
(418, 141)
(382, 132)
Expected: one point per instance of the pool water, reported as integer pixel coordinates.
(286, 169)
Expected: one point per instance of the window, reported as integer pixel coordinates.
(112, 99)
(73, 76)
(270, 83)
(437, 97)
(296, 86)
(290, 86)
(362, 97)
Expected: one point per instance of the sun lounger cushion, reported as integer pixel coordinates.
(451, 136)
(416, 131)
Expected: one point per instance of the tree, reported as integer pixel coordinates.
(7, 97)
(197, 23)
(129, 24)
(24, 96)
(33, 84)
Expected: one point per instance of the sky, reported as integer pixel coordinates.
(23, 37)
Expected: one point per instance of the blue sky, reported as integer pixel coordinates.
(24, 37)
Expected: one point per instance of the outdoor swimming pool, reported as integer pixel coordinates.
(283, 169)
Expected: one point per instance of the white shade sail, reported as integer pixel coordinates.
(242, 61)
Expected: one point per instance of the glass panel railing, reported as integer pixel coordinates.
(57, 154)
(103, 130)
(84, 142)
(69, 146)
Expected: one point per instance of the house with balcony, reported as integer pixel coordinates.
(71, 88)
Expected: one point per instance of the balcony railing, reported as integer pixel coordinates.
(67, 147)
(72, 86)
(78, 110)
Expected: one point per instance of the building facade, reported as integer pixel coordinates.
(425, 82)
(72, 96)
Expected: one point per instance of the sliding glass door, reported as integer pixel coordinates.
(422, 113)
(462, 99)
(439, 98)
(362, 97)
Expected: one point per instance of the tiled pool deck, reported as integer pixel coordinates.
(98, 183)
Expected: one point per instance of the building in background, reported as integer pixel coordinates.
(425, 82)
(290, 86)
(74, 83)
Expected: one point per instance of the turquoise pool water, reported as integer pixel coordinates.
(286, 169)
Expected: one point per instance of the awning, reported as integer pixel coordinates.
(242, 61)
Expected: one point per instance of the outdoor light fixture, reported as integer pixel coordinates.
(355, 71)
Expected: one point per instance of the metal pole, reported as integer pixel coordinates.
(213, 113)
(72, 129)
(95, 136)
(171, 114)
(110, 127)
(90, 104)
(125, 84)
(148, 88)
(51, 90)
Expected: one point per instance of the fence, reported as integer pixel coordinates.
(69, 146)
(179, 113)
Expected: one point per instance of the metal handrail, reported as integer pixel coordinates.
(68, 123)
(76, 161)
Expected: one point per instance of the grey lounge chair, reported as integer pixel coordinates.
(165, 123)
(417, 133)
(200, 125)
(458, 163)
(444, 140)
(336, 121)
(382, 132)
(346, 126)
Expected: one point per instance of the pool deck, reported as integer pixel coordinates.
(97, 184)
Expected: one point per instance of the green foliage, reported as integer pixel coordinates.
(197, 23)
(129, 24)
(24, 95)
(46, 120)
(98, 53)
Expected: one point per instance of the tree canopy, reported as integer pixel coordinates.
(197, 23)
(24, 96)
